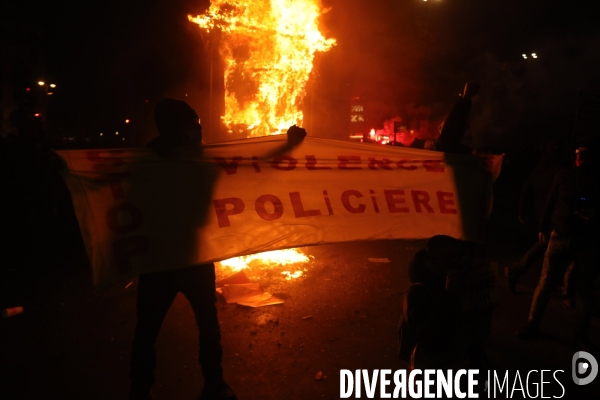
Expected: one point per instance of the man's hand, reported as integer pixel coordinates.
(543, 237)
(470, 90)
(295, 135)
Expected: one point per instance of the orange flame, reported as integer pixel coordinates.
(268, 48)
(276, 257)
(269, 259)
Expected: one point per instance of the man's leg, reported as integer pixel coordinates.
(555, 258)
(154, 297)
(537, 250)
(569, 286)
(587, 259)
(514, 272)
(199, 288)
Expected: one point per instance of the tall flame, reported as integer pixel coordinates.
(268, 48)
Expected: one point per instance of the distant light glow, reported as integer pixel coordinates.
(37, 115)
(533, 55)
(101, 134)
(52, 85)
(28, 89)
(127, 121)
(123, 139)
(525, 56)
(41, 83)
(116, 133)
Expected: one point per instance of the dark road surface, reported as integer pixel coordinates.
(74, 343)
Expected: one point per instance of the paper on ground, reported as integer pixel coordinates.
(260, 300)
(248, 294)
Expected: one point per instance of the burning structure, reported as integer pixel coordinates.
(267, 48)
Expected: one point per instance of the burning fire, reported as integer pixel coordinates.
(269, 259)
(268, 48)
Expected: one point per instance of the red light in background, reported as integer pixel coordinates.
(28, 89)
(37, 115)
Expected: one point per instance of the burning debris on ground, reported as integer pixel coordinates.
(274, 270)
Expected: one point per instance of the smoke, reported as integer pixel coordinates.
(407, 58)
(388, 53)
(411, 59)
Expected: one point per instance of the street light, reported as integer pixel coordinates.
(46, 101)
(52, 85)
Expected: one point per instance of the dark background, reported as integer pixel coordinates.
(113, 60)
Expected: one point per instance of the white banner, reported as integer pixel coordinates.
(139, 212)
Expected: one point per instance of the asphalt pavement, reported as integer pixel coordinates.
(72, 342)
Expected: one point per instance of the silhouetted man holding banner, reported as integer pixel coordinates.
(181, 133)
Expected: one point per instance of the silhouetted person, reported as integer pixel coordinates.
(439, 328)
(532, 202)
(455, 125)
(428, 276)
(571, 228)
(178, 126)
(429, 310)
(181, 133)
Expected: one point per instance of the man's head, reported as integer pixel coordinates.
(443, 253)
(176, 120)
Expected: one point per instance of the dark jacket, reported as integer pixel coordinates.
(535, 190)
(573, 190)
(420, 272)
(454, 128)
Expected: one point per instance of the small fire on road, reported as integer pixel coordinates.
(288, 264)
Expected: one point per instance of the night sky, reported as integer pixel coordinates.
(409, 57)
